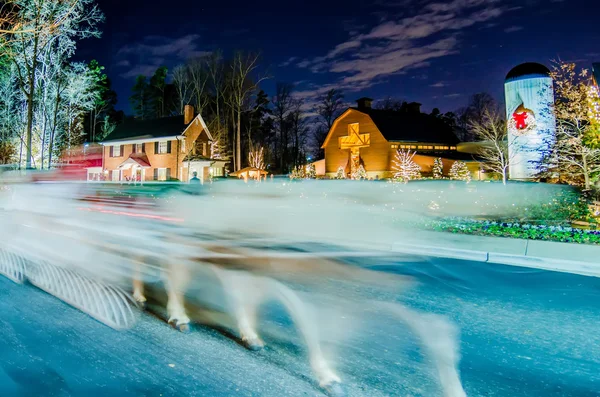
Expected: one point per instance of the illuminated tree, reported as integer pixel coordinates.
(575, 155)
(438, 168)
(360, 173)
(298, 172)
(311, 171)
(404, 167)
(491, 130)
(257, 159)
(459, 171)
(341, 173)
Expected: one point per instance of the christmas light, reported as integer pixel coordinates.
(459, 171)
(405, 167)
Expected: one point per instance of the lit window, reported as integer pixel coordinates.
(162, 147)
(413, 147)
(117, 151)
(162, 173)
(429, 147)
(139, 148)
(394, 146)
(452, 147)
(218, 171)
(419, 147)
(183, 146)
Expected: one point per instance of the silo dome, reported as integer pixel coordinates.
(527, 70)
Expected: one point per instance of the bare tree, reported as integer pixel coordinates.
(474, 113)
(257, 158)
(330, 106)
(183, 86)
(491, 130)
(298, 129)
(242, 84)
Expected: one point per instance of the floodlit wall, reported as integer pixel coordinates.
(532, 125)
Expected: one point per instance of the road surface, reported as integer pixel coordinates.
(524, 332)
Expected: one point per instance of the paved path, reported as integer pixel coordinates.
(524, 332)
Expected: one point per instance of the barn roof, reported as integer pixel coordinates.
(410, 126)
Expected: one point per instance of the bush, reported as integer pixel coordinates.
(563, 234)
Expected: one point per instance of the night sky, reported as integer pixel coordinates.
(434, 52)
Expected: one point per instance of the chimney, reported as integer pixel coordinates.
(188, 114)
(364, 103)
(414, 107)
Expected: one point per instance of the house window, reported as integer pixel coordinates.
(204, 151)
(413, 147)
(162, 174)
(216, 171)
(394, 146)
(116, 151)
(452, 147)
(162, 147)
(182, 146)
(139, 148)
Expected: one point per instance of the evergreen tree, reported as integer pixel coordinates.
(460, 172)
(140, 98)
(311, 173)
(340, 174)
(157, 90)
(359, 174)
(438, 168)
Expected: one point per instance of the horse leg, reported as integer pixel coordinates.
(439, 338)
(138, 286)
(306, 324)
(177, 280)
(244, 298)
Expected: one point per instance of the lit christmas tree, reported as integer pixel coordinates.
(341, 174)
(460, 172)
(360, 173)
(311, 171)
(438, 168)
(405, 168)
(297, 173)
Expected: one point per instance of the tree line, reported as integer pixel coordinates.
(48, 103)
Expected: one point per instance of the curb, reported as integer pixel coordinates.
(558, 265)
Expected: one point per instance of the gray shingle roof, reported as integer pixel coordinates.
(144, 129)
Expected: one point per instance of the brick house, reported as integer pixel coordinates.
(168, 148)
(370, 137)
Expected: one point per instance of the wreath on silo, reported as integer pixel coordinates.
(522, 121)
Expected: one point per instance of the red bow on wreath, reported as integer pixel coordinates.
(520, 120)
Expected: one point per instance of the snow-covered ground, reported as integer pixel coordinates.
(524, 332)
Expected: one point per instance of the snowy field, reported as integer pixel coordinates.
(524, 332)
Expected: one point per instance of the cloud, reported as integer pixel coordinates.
(439, 84)
(395, 46)
(288, 62)
(512, 29)
(454, 95)
(153, 51)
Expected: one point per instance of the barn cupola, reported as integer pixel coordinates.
(364, 103)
